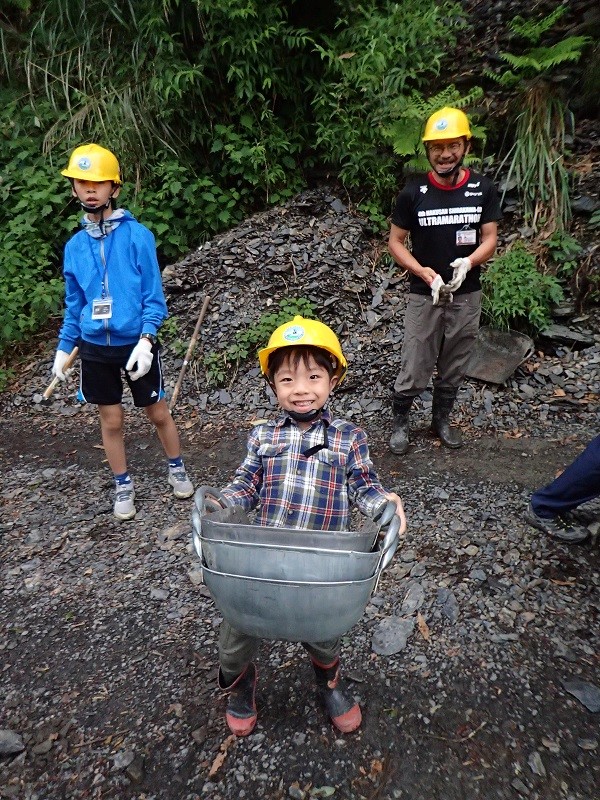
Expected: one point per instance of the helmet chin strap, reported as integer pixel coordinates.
(453, 172)
(95, 209)
(304, 416)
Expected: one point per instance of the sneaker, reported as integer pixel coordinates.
(124, 497)
(182, 485)
(557, 527)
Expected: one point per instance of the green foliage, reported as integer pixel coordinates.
(377, 56)
(536, 157)
(169, 333)
(123, 73)
(515, 294)
(564, 251)
(595, 219)
(219, 364)
(167, 203)
(33, 197)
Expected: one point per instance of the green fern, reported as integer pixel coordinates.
(533, 31)
(543, 59)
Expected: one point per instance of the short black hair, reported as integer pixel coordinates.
(298, 353)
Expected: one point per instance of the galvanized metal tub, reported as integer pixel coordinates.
(290, 610)
(289, 586)
(282, 562)
(207, 527)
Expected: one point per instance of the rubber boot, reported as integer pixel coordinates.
(343, 711)
(241, 706)
(443, 401)
(399, 439)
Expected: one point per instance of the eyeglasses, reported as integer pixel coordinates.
(438, 149)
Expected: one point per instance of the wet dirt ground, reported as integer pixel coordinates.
(109, 647)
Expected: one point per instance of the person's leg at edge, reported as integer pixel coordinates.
(237, 677)
(111, 426)
(579, 483)
(338, 701)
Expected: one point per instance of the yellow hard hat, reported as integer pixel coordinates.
(302, 331)
(90, 162)
(447, 123)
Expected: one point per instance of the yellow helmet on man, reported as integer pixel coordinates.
(301, 331)
(447, 123)
(90, 162)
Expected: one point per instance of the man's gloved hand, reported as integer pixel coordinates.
(440, 293)
(141, 355)
(460, 266)
(58, 368)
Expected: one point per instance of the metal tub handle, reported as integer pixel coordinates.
(390, 543)
(208, 498)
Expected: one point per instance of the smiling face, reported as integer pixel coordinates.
(445, 154)
(95, 194)
(302, 384)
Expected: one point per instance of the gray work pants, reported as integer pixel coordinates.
(238, 649)
(437, 336)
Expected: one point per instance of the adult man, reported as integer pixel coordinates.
(451, 215)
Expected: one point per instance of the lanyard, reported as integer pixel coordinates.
(104, 265)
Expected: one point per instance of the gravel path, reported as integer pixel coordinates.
(475, 662)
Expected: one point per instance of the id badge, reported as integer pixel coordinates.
(102, 308)
(466, 236)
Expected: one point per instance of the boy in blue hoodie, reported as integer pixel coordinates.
(114, 306)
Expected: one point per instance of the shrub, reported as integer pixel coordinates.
(515, 294)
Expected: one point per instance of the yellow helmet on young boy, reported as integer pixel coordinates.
(301, 331)
(447, 123)
(90, 162)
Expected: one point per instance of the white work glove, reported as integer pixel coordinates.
(58, 368)
(460, 266)
(440, 293)
(141, 355)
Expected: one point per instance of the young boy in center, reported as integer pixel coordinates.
(114, 306)
(305, 469)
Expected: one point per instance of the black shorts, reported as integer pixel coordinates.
(101, 382)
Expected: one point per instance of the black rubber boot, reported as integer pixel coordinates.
(443, 401)
(343, 711)
(399, 439)
(241, 706)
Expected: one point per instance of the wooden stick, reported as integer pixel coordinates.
(188, 355)
(55, 381)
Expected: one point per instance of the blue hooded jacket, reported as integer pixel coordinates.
(121, 265)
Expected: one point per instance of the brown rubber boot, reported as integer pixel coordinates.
(241, 706)
(343, 711)
(443, 401)
(399, 439)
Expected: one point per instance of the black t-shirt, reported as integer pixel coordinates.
(445, 223)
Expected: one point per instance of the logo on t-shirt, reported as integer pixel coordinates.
(423, 189)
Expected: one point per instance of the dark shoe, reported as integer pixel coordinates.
(343, 711)
(241, 707)
(557, 528)
(400, 431)
(443, 402)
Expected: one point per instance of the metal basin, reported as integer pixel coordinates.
(280, 562)
(209, 528)
(291, 610)
(497, 354)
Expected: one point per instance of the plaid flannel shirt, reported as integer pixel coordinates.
(296, 488)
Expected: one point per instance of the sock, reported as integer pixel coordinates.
(176, 463)
(122, 478)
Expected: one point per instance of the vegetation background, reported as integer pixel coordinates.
(216, 108)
